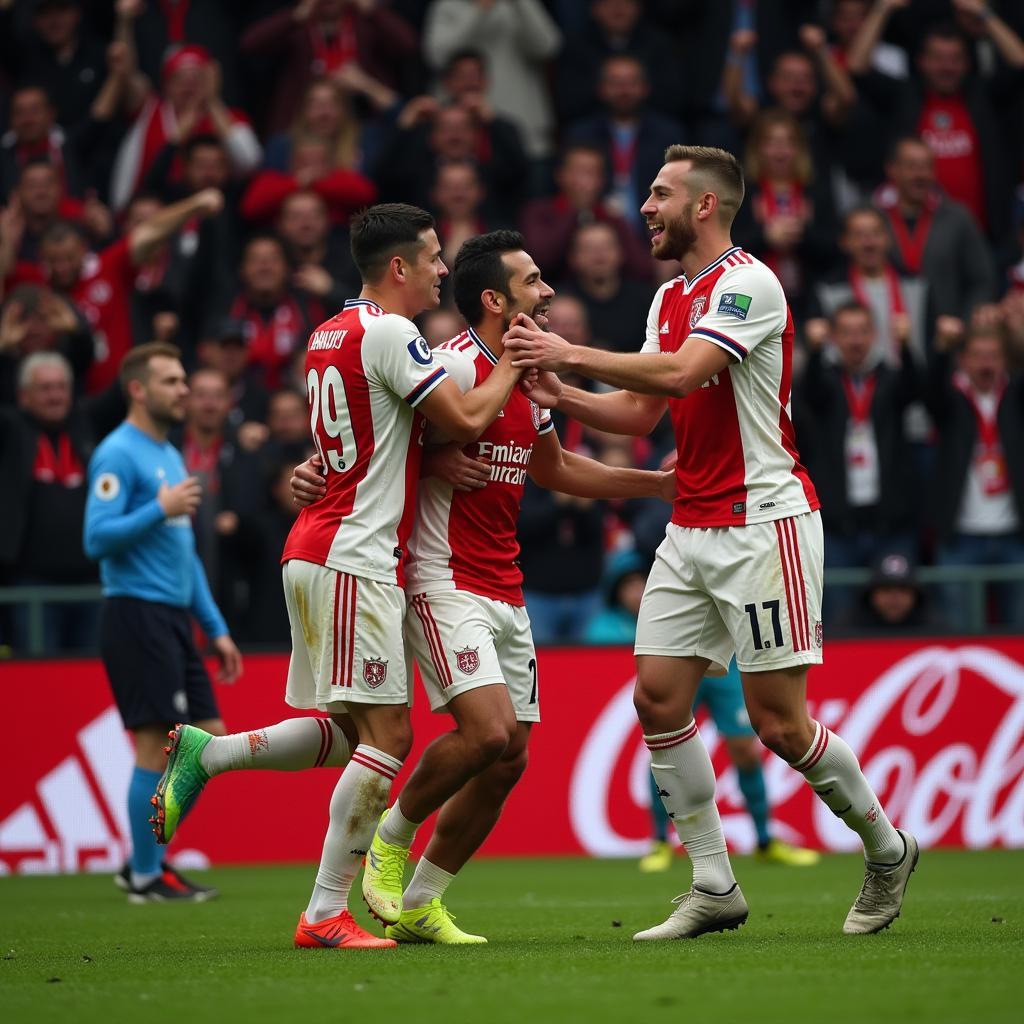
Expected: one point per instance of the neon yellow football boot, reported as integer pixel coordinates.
(778, 852)
(383, 878)
(658, 858)
(434, 924)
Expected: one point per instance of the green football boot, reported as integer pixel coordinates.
(182, 781)
(431, 924)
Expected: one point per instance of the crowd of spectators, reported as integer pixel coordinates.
(185, 170)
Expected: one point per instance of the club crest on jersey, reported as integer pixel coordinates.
(535, 415)
(468, 660)
(697, 308)
(375, 671)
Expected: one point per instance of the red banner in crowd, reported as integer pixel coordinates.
(939, 728)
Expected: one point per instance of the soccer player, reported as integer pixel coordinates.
(138, 526)
(467, 624)
(740, 569)
(722, 697)
(367, 371)
(466, 621)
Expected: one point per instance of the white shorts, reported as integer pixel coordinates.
(462, 641)
(347, 645)
(750, 590)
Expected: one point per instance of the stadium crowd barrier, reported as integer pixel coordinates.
(939, 727)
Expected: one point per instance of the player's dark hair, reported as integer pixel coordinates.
(135, 365)
(383, 231)
(851, 306)
(479, 267)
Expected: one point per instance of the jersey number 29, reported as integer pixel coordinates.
(329, 419)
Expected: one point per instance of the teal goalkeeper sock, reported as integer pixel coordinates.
(147, 854)
(755, 796)
(659, 817)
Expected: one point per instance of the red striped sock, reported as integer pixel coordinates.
(686, 785)
(834, 773)
(366, 784)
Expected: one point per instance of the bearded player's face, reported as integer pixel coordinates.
(669, 212)
(528, 293)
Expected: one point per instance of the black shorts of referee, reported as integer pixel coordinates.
(154, 669)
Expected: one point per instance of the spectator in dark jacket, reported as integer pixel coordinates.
(955, 114)
(933, 236)
(57, 52)
(549, 224)
(632, 138)
(230, 475)
(615, 27)
(899, 303)
(616, 306)
(978, 501)
(45, 446)
(277, 316)
(860, 461)
(315, 38)
(33, 133)
(427, 134)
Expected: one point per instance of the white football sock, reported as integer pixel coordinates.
(428, 882)
(289, 746)
(397, 829)
(831, 768)
(686, 785)
(356, 805)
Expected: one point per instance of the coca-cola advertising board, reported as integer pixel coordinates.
(938, 725)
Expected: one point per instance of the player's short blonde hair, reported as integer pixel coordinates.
(713, 170)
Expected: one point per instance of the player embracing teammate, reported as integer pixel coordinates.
(740, 569)
(466, 621)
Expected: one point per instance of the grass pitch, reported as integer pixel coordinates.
(72, 949)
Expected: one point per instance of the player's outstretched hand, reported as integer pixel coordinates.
(542, 387)
(181, 499)
(448, 462)
(230, 659)
(307, 482)
(530, 346)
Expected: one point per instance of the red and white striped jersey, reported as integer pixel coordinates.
(366, 371)
(738, 462)
(467, 540)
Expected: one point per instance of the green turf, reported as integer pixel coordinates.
(74, 951)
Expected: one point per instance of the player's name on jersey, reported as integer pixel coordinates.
(326, 339)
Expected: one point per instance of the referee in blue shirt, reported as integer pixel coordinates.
(138, 526)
